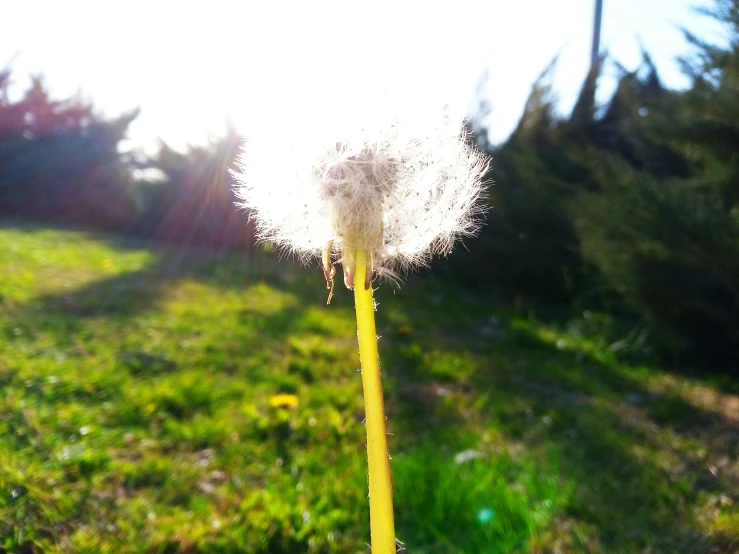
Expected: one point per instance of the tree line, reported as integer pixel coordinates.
(629, 208)
(60, 161)
(632, 207)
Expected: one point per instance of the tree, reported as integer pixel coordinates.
(59, 160)
(663, 225)
(528, 246)
(194, 203)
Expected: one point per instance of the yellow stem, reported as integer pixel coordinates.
(382, 525)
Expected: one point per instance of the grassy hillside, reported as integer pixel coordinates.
(157, 400)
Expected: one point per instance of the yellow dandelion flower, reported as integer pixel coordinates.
(284, 401)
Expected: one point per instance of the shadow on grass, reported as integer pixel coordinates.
(633, 457)
(126, 295)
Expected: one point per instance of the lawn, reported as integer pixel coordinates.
(160, 400)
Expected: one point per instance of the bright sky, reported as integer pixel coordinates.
(190, 65)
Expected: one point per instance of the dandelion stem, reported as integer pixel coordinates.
(382, 526)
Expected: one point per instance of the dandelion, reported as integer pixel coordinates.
(284, 401)
(401, 190)
(381, 197)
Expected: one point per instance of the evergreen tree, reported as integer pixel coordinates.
(632, 207)
(528, 246)
(59, 160)
(663, 226)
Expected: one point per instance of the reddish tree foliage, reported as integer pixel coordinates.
(59, 160)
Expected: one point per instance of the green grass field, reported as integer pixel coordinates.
(139, 412)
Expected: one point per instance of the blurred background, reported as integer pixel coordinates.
(564, 382)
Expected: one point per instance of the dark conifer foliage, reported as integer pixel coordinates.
(632, 206)
(663, 226)
(528, 245)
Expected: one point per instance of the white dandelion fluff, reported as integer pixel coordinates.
(400, 188)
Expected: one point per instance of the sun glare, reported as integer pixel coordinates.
(272, 65)
(331, 61)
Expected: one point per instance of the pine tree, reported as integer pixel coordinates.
(528, 245)
(663, 226)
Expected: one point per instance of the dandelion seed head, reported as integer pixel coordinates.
(403, 188)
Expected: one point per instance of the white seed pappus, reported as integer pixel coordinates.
(402, 188)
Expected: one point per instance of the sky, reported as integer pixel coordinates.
(192, 65)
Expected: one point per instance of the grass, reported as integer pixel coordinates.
(139, 412)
